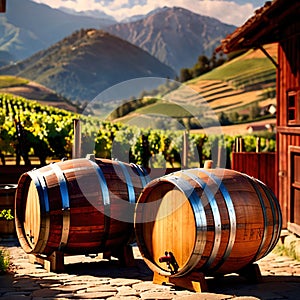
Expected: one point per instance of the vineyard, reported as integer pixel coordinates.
(48, 132)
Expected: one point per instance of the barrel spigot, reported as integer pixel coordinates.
(170, 260)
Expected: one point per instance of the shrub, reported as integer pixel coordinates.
(6, 214)
(4, 261)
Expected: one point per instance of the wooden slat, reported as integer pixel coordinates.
(259, 165)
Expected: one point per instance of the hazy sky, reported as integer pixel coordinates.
(234, 12)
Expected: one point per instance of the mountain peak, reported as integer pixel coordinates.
(174, 35)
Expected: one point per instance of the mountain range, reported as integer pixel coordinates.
(28, 27)
(175, 36)
(87, 62)
(69, 53)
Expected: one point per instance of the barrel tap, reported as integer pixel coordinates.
(170, 260)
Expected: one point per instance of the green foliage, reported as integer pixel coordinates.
(167, 109)
(236, 69)
(6, 214)
(254, 111)
(185, 75)
(4, 260)
(46, 129)
(49, 132)
(130, 106)
(268, 93)
(11, 81)
(282, 250)
(202, 66)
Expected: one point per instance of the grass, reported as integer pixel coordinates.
(7, 81)
(169, 109)
(4, 261)
(238, 68)
(282, 250)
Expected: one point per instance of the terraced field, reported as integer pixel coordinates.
(233, 87)
(221, 96)
(238, 83)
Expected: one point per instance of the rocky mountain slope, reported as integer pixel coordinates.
(175, 36)
(28, 27)
(85, 63)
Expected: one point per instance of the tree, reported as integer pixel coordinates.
(223, 118)
(254, 111)
(185, 75)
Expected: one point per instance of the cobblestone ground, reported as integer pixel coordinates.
(96, 278)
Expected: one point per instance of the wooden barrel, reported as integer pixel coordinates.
(7, 196)
(77, 206)
(213, 221)
(7, 201)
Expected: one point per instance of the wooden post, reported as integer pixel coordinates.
(199, 150)
(236, 145)
(51, 263)
(208, 164)
(221, 156)
(242, 145)
(258, 144)
(126, 257)
(267, 144)
(2, 6)
(185, 149)
(251, 273)
(76, 151)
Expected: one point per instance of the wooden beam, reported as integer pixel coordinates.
(266, 53)
(2, 6)
(193, 281)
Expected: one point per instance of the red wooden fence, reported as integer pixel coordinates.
(260, 165)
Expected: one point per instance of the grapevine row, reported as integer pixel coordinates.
(49, 132)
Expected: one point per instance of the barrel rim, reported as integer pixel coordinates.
(196, 206)
(25, 180)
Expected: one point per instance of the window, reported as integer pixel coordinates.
(293, 107)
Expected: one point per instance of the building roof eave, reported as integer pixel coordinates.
(262, 28)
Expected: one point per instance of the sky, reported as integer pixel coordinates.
(234, 12)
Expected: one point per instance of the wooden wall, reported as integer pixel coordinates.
(288, 136)
(260, 165)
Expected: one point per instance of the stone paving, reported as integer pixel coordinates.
(97, 278)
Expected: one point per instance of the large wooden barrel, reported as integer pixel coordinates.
(215, 221)
(77, 206)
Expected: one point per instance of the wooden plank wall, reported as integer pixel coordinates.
(11, 174)
(288, 78)
(260, 165)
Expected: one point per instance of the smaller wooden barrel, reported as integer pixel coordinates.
(7, 196)
(213, 221)
(77, 206)
(7, 201)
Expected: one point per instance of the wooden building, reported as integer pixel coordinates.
(279, 22)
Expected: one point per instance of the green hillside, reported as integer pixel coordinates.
(23, 87)
(243, 81)
(86, 63)
(238, 89)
